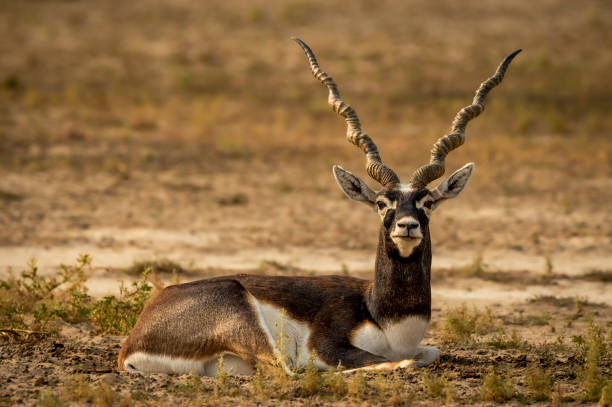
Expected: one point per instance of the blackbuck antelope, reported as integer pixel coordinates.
(328, 319)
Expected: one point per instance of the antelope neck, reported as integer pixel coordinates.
(401, 285)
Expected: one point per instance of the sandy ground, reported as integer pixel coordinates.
(530, 248)
(142, 131)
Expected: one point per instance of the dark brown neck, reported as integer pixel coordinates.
(401, 285)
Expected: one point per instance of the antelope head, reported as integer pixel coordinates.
(404, 208)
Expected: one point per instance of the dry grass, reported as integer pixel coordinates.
(79, 391)
(33, 305)
(503, 340)
(496, 387)
(187, 116)
(539, 384)
(436, 386)
(460, 324)
(503, 376)
(594, 349)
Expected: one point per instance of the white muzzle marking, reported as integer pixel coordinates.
(406, 235)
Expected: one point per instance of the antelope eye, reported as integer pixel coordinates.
(381, 205)
(428, 204)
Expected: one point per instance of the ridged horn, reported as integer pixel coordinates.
(374, 165)
(435, 169)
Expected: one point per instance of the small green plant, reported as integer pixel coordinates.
(312, 380)
(30, 304)
(539, 383)
(496, 387)
(434, 385)
(380, 384)
(259, 383)
(459, 324)
(357, 385)
(334, 382)
(194, 384)
(117, 315)
(592, 349)
(501, 340)
(221, 387)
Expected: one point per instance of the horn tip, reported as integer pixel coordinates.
(512, 55)
(298, 40)
(302, 44)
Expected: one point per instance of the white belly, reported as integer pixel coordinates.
(150, 363)
(395, 342)
(287, 336)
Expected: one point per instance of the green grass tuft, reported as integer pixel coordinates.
(117, 315)
(32, 305)
(539, 383)
(501, 340)
(496, 387)
(436, 386)
(592, 348)
(460, 324)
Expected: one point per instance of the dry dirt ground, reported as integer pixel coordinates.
(195, 133)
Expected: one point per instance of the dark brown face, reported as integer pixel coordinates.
(404, 215)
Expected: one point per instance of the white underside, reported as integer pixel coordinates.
(149, 363)
(288, 337)
(395, 342)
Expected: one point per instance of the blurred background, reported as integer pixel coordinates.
(194, 131)
(191, 138)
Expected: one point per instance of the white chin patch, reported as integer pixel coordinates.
(405, 246)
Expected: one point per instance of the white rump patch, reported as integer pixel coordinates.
(292, 348)
(395, 342)
(146, 363)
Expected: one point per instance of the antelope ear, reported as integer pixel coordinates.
(452, 186)
(354, 187)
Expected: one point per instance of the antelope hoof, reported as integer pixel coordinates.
(426, 356)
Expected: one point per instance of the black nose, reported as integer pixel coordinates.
(407, 224)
